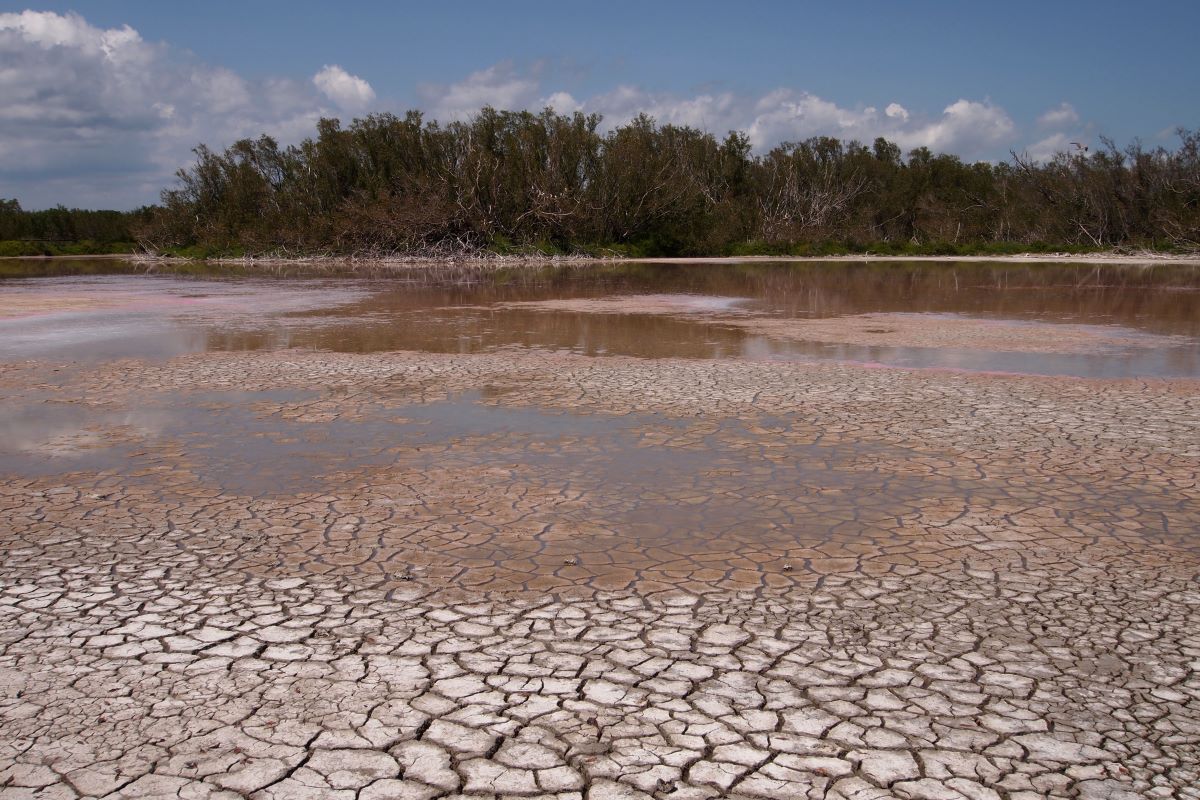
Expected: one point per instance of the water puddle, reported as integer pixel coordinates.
(379, 465)
(1050, 319)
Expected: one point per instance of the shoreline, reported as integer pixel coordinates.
(505, 261)
(1020, 258)
(105, 256)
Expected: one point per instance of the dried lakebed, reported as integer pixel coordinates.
(292, 572)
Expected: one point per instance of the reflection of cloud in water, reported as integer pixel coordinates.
(691, 302)
(639, 304)
(147, 316)
(60, 431)
(1038, 320)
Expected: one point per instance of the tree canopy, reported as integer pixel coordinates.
(506, 180)
(56, 230)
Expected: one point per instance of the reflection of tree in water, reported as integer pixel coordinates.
(454, 308)
(1161, 298)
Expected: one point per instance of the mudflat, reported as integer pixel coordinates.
(632, 535)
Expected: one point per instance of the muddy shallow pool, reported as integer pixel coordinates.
(1053, 319)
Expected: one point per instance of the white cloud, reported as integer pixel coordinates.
(1046, 149)
(100, 117)
(786, 115)
(346, 90)
(1061, 116)
(969, 128)
(48, 30)
(972, 129)
(500, 86)
(1062, 132)
(705, 111)
(964, 127)
(562, 102)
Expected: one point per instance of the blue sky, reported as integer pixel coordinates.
(101, 115)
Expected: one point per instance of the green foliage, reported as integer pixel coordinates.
(66, 231)
(548, 183)
(14, 248)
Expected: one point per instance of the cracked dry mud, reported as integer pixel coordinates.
(528, 574)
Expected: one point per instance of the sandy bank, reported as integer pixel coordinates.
(509, 261)
(1022, 258)
(506, 261)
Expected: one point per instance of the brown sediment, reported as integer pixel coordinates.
(959, 332)
(1143, 257)
(882, 329)
(533, 574)
(1134, 258)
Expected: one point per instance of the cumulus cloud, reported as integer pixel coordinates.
(500, 86)
(346, 90)
(1046, 149)
(1062, 132)
(970, 128)
(784, 115)
(706, 111)
(562, 102)
(1061, 116)
(100, 117)
(965, 126)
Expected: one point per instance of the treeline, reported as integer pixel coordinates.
(68, 231)
(511, 181)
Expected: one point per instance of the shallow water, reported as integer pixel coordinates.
(104, 309)
(725, 466)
